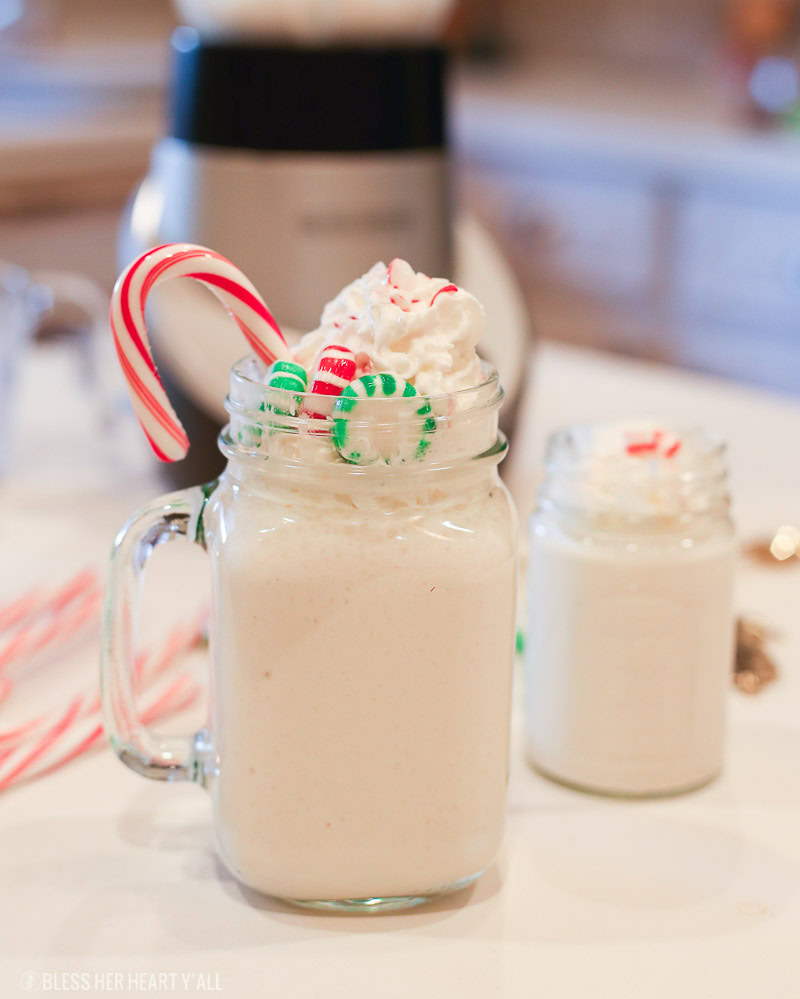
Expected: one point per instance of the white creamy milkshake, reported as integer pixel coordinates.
(630, 610)
(364, 611)
(364, 564)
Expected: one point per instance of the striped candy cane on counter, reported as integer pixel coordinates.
(149, 667)
(51, 741)
(38, 620)
(20, 609)
(55, 629)
(237, 294)
(77, 729)
(37, 601)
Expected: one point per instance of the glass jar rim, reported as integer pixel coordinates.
(568, 448)
(411, 433)
(465, 399)
(646, 486)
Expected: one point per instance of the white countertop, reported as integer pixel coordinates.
(693, 896)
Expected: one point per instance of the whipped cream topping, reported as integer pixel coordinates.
(625, 445)
(636, 468)
(397, 320)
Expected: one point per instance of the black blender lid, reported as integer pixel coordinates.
(291, 99)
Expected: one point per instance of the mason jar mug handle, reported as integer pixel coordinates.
(174, 758)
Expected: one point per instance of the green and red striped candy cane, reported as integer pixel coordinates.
(358, 445)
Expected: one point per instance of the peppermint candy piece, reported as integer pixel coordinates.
(289, 377)
(391, 440)
(335, 371)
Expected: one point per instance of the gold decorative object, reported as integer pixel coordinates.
(783, 548)
(753, 668)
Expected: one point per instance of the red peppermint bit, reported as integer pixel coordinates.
(673, 449)
(643, 447)
(448, 289)
(317, 431)
(389, 271)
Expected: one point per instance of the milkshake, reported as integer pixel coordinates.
(630, 610)
(364, 562)
(365, 619)
(363, 649)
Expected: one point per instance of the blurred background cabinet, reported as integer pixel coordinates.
(637, 227)
(615, 147)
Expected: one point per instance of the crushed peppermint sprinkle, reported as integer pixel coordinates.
(448, 289)
(653, 445)
(398, 320)
(646, 447)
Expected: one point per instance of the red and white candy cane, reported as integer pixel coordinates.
(48, 619)
(80, 727)
(336, 369)
(237, 294)
(53, 739)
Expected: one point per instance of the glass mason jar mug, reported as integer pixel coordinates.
(362, 639)
(630, 614)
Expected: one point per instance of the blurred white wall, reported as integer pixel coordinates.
(44, 23)
(662, 32)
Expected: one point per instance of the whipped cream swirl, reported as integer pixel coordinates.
(396, 320)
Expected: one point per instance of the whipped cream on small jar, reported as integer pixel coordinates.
(630, 609)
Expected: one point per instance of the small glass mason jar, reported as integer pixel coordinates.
(629, 653)
(362, 640)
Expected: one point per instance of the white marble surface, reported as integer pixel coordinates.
(103, 872)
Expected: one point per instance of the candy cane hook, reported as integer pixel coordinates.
(237, 294)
